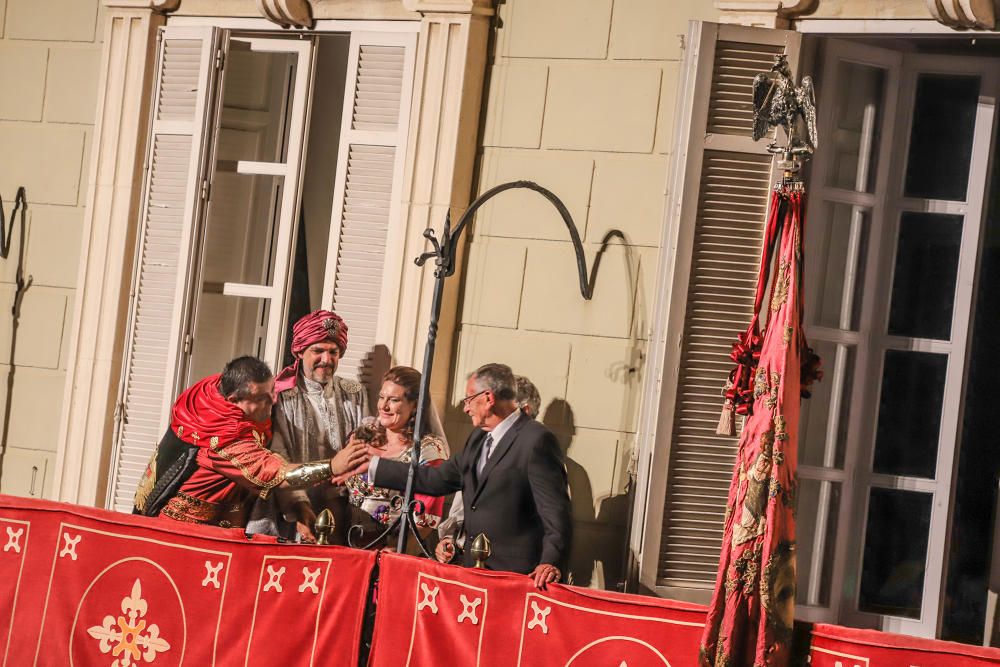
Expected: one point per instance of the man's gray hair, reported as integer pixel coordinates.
(497, 378)
(527, 397)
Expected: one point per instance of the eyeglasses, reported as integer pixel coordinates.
(465, 401)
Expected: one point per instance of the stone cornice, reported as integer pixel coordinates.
(965, 14)
(158, 6)
(769, 13)
(450, 6)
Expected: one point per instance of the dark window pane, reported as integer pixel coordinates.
(944, 117)
(923, 283)
(895, 557)
(909, 413)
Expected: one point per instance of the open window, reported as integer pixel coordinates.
(902, 221)
(273, 183)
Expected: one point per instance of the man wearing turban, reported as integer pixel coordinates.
(313, 419)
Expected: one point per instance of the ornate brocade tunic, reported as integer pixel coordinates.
(226, 476)
(233, 462)
(312, 422)
(378, 502)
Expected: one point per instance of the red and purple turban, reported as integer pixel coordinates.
(316, 327)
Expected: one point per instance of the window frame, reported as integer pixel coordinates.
(879, 341)
(216, 31)
(674, 265)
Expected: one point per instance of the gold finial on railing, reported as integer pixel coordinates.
(324, 526)
(481, 550)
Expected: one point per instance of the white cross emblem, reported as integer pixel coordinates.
(540, 617)
(69, 546)
(274, 578)
(470, 609)
(430, 597)
(13, 539)
(211, 574)
(309, 580)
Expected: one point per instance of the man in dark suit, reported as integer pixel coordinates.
(512, 479)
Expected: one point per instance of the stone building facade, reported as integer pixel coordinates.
(614, 105)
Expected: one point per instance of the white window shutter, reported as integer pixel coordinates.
(170, 203)
(724, 196)
(368, 187)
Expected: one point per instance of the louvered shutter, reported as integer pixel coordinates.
(722, 188)
(368, 189)
(170, 203)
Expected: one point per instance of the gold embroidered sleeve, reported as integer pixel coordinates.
(250, 464)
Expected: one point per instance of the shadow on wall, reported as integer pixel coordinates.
(598, 538)
(377, 361)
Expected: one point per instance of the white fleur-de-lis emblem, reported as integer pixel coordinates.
(469, 609)
(274, 578)
(128, 637)
(13, 540)
(540, 619)
(211, 574)
(430, 598)
(309, 578)
(69, 546)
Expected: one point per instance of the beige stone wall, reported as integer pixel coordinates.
(871, 9)
(581, 100)
(49, 62)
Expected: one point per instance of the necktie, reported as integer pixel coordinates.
(484, 455)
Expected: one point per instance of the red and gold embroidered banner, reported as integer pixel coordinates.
(432, 614)
(751, 614)
(89, 587)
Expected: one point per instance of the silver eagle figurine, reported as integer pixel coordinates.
(777, 101)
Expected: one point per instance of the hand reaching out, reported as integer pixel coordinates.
(350, 460)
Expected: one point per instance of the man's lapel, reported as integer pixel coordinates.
(500, 450)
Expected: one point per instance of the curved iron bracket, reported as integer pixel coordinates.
(445, 250)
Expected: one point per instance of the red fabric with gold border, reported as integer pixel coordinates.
(431, 614)
(85, 587)
(835, 646)
(751, 614)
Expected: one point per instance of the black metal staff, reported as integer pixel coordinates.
(444, 258)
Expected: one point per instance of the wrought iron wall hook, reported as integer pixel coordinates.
(18, 218)
(446, 249)
(444, 254)
(7, 232)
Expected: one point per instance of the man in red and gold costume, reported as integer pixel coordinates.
(214, 457)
